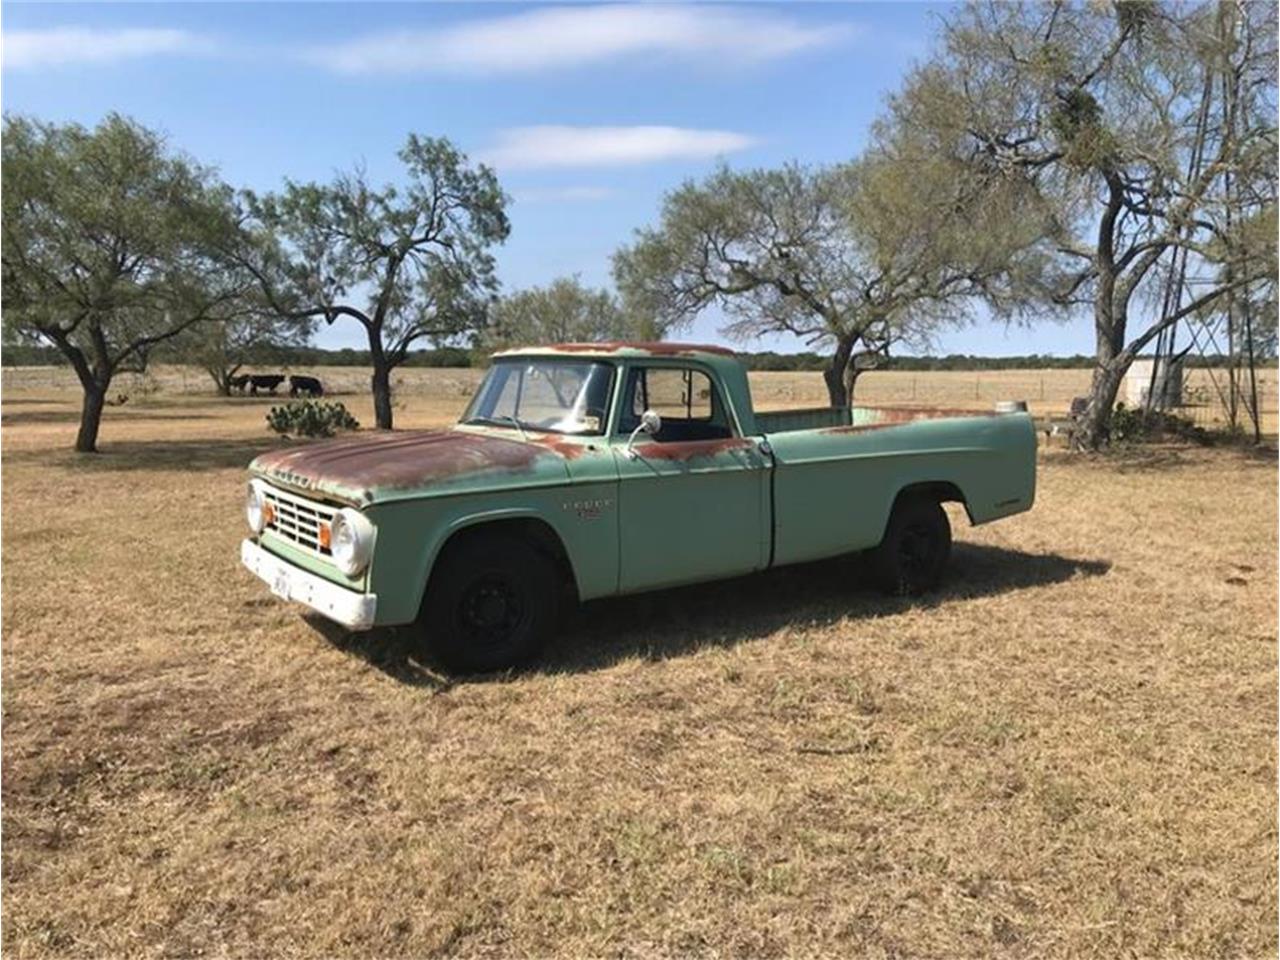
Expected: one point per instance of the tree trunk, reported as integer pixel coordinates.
(381, 379)
(837, 376)
(222, 379)
(1110, 321)
(859, 363)
(1094, 429)
(94, 383)
(851, 375)
(381, 391)
(382, 397)
(95, 397)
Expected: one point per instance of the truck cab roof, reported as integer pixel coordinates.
(626, 348)
(722, 362)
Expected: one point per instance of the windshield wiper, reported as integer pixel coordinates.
(499, 418)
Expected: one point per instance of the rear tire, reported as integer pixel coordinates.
(491, 604)
(913, 555)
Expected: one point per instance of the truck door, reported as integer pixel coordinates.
(693, 499)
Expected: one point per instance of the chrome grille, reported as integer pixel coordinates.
(298, 520)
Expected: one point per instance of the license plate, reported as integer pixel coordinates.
(280, 584)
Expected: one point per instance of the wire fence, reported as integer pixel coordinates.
(1048, 392)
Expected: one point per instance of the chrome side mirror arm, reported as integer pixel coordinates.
(630, 449)
(650, 423)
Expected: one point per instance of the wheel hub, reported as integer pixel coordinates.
(490, 610)
(918, 547)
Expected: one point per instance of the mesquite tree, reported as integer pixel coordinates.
(107, 247)
(407, 262)
(855, 258)
(1149, 130)
(564, 311)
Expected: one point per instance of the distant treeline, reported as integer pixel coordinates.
(956, 361)
(960, 361)
(29, 355)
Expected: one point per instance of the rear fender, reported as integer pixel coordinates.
(937, 491)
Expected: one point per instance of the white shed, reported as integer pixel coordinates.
(1159, 379)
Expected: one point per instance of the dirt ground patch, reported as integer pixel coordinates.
(1069, 751)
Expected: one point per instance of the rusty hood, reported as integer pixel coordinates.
(403, 464)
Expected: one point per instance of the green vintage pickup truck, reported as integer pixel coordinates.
(589, 470)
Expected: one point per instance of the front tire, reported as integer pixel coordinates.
(913, 555)
(491, 604)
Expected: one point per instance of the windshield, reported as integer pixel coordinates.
(544, 393)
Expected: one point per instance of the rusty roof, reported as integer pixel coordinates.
(650, 348)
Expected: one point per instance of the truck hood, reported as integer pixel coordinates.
(403, 464)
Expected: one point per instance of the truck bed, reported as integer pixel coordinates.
(822, 418)
(834, 485)
(804, 418)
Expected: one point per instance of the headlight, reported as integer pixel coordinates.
(351, 541)
(255, 507)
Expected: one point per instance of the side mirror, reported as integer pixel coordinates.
(650, 424)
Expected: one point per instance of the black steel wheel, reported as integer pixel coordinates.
(913, 555)
(491, 604)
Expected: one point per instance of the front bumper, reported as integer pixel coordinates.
(351, 609)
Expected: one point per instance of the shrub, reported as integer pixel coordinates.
(311, 418)
(1136, 425)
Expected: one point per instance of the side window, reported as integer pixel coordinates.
(685, 398)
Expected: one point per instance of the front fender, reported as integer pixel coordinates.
(411, 535)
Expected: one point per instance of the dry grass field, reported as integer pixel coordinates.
(1070, 751)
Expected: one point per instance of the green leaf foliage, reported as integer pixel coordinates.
(1145, 137)
(409, 260)
(109, 241)
(856, 258)
(564, 311)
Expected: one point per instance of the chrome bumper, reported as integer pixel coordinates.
(351, 609)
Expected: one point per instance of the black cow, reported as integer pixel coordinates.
(265, 381)
(238, 383)
(311, 386)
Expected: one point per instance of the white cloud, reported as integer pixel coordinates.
(559, 146)
(572, 194)
(580, 35)
(58, 46)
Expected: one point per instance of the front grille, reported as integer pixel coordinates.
(298, 520)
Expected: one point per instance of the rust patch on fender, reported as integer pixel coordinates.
(861, 427)
(395, 459)
(657, 348)
(686, 450)
(558, 444)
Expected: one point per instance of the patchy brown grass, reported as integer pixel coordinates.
(1070, 751)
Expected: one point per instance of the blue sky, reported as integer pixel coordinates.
(588, 113)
